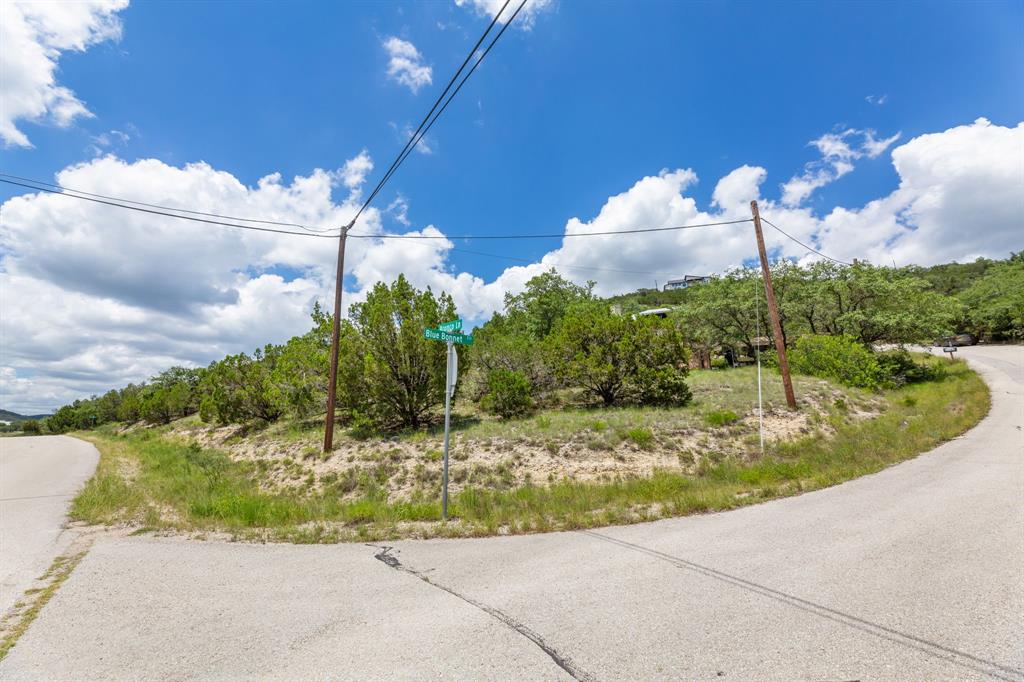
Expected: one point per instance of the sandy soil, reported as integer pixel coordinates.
(405, 469)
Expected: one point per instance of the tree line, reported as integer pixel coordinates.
(558, 338)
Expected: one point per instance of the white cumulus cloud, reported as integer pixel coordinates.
(32, 37)
(526, 17)
(405, 64)
(838, 152)
(354, 172)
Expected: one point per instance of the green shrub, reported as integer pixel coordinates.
(719, 363)
(840, 358)
(403, 373)
(239, 389)
(32, 426)
(665, 385)
(900, 369)
(618, 358)
(509, 394)
(721, 417)
(362, 426)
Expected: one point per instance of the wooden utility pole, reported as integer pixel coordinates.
(773, 310)
(332, 386)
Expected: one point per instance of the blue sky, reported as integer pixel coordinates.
(564, 114)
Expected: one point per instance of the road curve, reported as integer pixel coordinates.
(38, 477)
(916, 572)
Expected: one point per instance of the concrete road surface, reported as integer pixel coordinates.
(914, 573)
(38, 477)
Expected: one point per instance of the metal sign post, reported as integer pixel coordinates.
(449, 333)
(451, 374)
(949, 348)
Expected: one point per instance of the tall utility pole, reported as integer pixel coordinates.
(332, 386)
(773, 310)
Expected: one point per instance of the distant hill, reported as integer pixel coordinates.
(15, 418)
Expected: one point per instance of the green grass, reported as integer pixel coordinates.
(713, 391)
(643, 438)
(920, 417)
(721, 418)
(146, 480)
(187, 487)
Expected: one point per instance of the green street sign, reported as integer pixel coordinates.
(454, 337)
(453, 326)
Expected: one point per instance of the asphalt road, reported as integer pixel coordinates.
(914, 573)
(38, 477)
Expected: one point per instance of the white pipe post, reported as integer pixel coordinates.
(447, 423)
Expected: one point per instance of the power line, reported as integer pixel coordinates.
(151, 211)
(420, 132)
(159, 209)
(809, 248)
(549, 235)
(171, 215)
(405, 154)
(530, 261)
(121, 200)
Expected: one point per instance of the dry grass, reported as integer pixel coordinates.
(566, 469)
(578, 444)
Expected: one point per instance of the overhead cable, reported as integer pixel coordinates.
(363, 236)
(121, 200)
(420, 131)
(529, 261)
(171, 215)
(809, 248)
(549, 235)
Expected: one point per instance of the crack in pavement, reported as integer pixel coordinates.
(925, 646)
(386, 556)
(35, 497)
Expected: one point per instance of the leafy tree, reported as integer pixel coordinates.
(404, 374)
(163, 403)
(509, 393)
(545, 300)
(302, 371)
(617, 357)
(995, 303)
(869, 303)
(172, 394)
(239, 388)
(722, 312)
(62, 420)
(130, 408)
(950, 279)
(107, 406)
(500, 345)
